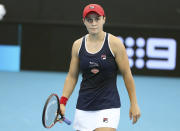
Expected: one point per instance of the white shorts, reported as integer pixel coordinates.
(90, 120)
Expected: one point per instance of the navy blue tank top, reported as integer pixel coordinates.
(98, 89)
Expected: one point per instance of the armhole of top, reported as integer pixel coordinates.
(80, 46)
(110, 47)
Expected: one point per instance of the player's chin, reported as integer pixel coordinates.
(93, 32)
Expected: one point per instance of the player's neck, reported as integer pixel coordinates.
(97, 37)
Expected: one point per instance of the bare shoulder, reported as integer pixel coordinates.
(76, 45)
(115, 44)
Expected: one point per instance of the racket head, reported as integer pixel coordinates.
(51, 111)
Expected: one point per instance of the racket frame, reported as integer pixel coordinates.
(45, 108)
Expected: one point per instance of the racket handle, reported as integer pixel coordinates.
(67, 121)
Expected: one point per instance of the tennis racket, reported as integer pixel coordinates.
(51, 112)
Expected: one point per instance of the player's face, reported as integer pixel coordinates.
(94, 23)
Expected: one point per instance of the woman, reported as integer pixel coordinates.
(98, 55)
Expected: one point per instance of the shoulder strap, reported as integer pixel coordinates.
(82, 45)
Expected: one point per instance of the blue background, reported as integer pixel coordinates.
(10, 57)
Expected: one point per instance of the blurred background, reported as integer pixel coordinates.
(35, 47)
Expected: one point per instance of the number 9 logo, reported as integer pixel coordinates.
(161, 53)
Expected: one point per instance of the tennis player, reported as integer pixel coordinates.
(98, 55)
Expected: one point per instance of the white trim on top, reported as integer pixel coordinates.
(110, 47)
(99, 49)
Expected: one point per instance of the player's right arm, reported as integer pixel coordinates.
(72, 76)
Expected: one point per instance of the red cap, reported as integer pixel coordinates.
(93, 8)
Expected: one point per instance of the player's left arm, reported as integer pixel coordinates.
(122, 61)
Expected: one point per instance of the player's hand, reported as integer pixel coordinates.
(62, 110)
(134, 113)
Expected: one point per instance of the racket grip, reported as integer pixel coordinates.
(67, 121)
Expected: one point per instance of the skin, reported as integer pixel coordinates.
(94, 25)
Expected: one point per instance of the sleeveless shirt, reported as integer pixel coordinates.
(98, 89)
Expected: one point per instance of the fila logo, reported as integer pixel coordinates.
(152, 53)
(105, 120)
(103, 57)
(91, 7)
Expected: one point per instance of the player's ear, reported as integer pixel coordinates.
(104, 19)
(83, 19)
